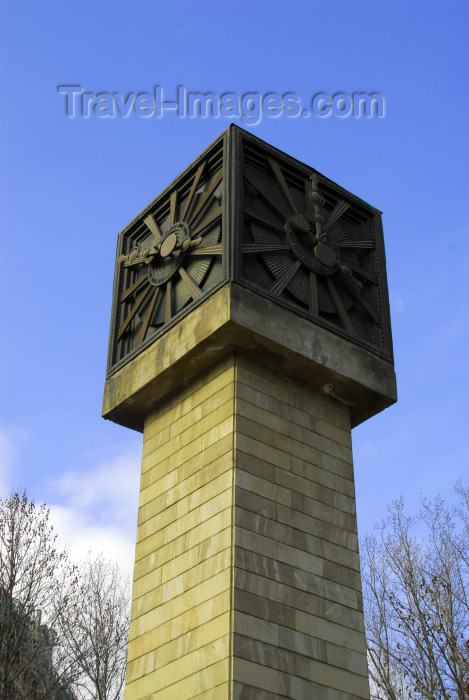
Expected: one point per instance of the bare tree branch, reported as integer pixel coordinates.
(416, 603)
(96, 636)
(33, 665)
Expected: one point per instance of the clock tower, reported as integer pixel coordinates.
(250, 332)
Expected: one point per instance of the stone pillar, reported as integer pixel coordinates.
(247, 576)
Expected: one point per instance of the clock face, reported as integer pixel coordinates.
(169, 257)
(311, 245)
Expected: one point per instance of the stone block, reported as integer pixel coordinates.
(208, 460)
(194, 440)
(190, 687)
(219, 692)
(290, 393)
(283, 530)
(248, 674)
(199, 487)
(275, 657)
(177, 430)
(241, 691)
(301, 521)
(274, 406)
(293, 446)
(194, 618)
(158, 615)
(197, 661)
(316, 473)
(294, 500)
(168, 548)
(192, 557)
(182, 402)
(295, 482)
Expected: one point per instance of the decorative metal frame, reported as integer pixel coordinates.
(247, 213)
(310, 245)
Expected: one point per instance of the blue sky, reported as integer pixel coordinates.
(70, 185)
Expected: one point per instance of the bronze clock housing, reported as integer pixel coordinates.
(246, 213)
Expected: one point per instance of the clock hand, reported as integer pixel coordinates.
(191, 242)
(164, 250)
(135, 257)
(318, 201)
(347, 272)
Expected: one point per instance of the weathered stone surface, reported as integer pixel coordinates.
(294, 482)
(295, 500)
(302, 521)
(247, 674)
(301, 538)
(192, 618)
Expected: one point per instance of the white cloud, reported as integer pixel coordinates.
(97, 510)
(93, 509)
(107, 490)
(83, 534)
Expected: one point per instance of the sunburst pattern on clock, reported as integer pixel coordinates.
(308, 246)
(170, 257)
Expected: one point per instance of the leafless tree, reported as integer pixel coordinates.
(416, 586)
(33, 571)
(96, 636)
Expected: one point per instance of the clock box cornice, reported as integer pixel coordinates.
(244, 212)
